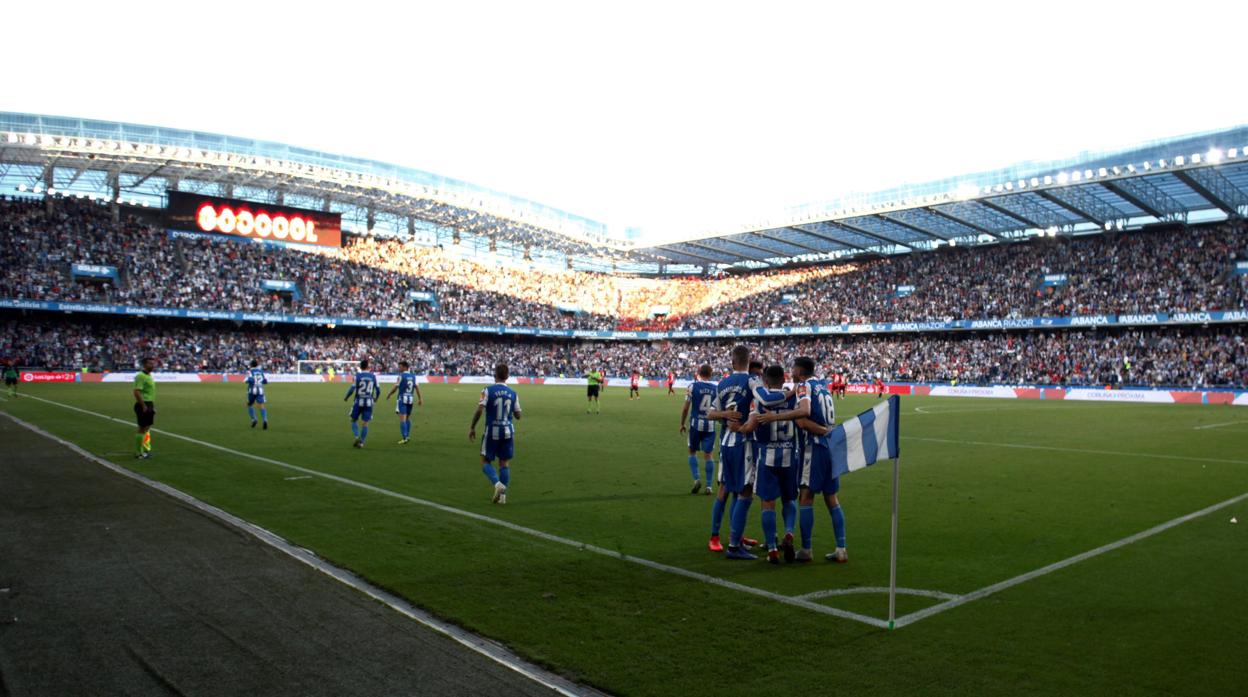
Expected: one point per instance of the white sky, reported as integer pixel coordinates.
(665, 115)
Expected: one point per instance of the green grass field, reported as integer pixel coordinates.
(1163, 615)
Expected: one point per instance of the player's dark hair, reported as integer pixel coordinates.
(364, 364)
(774, 374)
(806, 365)
(704, 371)
(501, 372)
(403, 365)
(756, 366)
(255, 363)
(740, 356)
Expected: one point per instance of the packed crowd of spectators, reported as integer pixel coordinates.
(1184, 270)
(1192, 357)
(1142, 272)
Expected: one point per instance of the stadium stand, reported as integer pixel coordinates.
(1175, 270)
(1187, 357)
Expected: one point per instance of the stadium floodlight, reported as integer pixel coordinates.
(51, 191)
(1102, 172)
(1062, 177)
(21, 187)
(1131, 169)
(1179, 161)
(12, 137)
(1232, 153)
(1035, 181)
(37, 190)
(1147, 165)
(1109, 226)
(1214, 156)
(1195, 158)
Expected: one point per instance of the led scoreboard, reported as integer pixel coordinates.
(260, 221)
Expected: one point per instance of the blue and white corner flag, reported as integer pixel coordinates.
(866, 438)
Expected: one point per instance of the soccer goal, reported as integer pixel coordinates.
(339, 367)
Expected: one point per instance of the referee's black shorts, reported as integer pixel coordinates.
(146, 417)
(593, 390)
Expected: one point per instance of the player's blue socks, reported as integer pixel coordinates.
(717, 516)
(740, 516)
(404, 428)
(693, 466)
(806, 521)
(264, 414)
(363, 433)
(789, 513)
(252, 413)
(488, 469)
(838, 524)
(355, 429)
(710, 471)
(769, 527)
(504, 475)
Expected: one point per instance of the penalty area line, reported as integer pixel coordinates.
(479, 644)
(549, 537)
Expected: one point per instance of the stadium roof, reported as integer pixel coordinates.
(1188, 179)
(139, 163)
(1195, 178)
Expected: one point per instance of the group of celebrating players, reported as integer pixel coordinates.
(773, 442)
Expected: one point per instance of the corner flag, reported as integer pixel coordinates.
(860, 442)
(866, 438)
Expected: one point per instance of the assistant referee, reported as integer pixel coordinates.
(144, 408)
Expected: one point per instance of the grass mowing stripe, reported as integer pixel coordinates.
(479, 644)
(704, 578)
(1056, 566)
(1025, 446)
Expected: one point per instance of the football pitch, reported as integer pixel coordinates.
(597, 566)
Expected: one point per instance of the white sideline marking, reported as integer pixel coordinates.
(939, 595)
(1025, 446)
(1011, 582)
(295, 479)
(1227, 423)
(657, 566)
(925, 411)
(479, 644)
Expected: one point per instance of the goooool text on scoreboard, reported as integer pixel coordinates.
(260, 221)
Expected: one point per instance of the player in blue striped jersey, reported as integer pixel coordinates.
(815, 414)
(405, 386)
(255, 394)
(500, 404)
(734, 396)
(776, 457)
(699, 400)
(366, 391)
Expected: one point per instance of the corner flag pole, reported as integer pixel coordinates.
(892, 563)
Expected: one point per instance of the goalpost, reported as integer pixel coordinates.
(321, 367)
